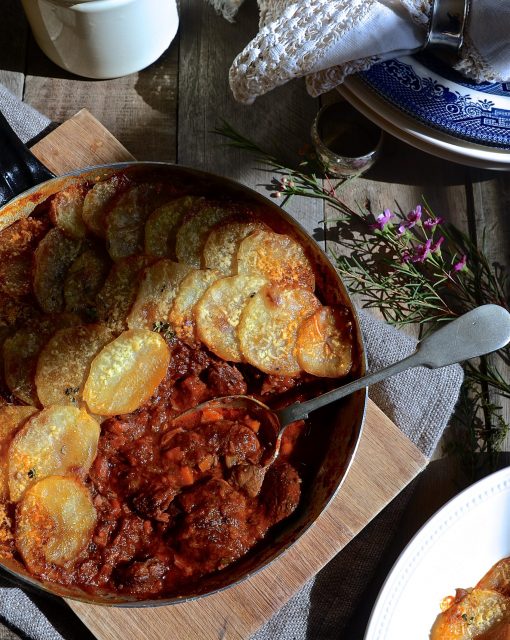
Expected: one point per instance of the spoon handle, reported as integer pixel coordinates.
(476, 333)
(300, 411)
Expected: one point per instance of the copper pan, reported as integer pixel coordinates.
(25, 182)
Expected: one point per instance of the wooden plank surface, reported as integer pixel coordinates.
(386, 461)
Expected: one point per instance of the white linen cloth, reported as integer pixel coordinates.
(327, 40)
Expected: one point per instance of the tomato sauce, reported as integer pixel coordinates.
(174, 503)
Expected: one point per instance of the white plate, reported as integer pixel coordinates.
(455, 548)
(409, 130)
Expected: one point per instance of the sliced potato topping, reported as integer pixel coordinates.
(126, 372)
(218, 311)
(98, 200)
(53, 257)
(59, 440)
(20, 354)
(125, 221)
(181, 315)
(269, 326)
(54, 522)
(84, 280)
(66, 210)
(119, 291)
(64, 362)
(11, 419)
(16, 275)
(156, 293)
(21, 350)
(162, 226)
(277, 257)
(195, 228)
(324, 343)
(222, 244)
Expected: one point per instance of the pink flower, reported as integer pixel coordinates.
(382, 220)
(406, 256)
(413, 217)
(461, 264)
(402, 229)
(429, 223)
(437, 245)
(422, 251)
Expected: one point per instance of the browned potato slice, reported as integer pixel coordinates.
(218, 311)
(20, 353)
(472, 615)
(162, 226)
(59, 440)
(181, 315)
(64, 363)
(324, 343)
(156, 293)
(277, 257)
(54, 522)
(66, 210)
(16, 254)
(16, 275)
(119, 291)
(195, 228)
(269, 326)
(126, 372)
(53, 257)
(84, 280)
(125, 221)
(222, 244)
(11, 419)
(23, 236)
(98, 200)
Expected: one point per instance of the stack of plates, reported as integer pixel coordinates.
(424, 102)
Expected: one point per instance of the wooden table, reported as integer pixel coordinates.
(168, 111)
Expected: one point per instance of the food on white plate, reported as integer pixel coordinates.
(478, 613)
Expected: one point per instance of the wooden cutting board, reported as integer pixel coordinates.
(386, 461)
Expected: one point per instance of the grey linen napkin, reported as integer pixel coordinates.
(420, 403)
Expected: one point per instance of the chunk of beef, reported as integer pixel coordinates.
(214, 529)
(142, 577)
(225, 380)
(281, 491)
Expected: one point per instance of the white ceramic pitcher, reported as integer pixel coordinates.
(102, 38)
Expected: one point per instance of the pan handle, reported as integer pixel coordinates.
(19, 168)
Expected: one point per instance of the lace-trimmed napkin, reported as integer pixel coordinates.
(420, 402)
(327, 40)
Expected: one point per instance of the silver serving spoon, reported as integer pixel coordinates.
(476, 333)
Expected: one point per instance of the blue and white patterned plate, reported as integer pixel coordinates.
(434, 94)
